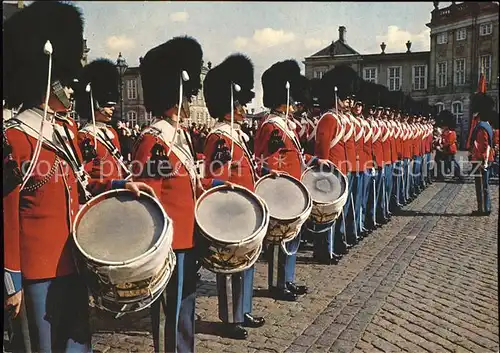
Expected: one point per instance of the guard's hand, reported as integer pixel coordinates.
(137, 187)
(229, 184)
(275, 173)
(13, 303)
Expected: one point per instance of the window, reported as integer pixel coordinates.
(439, 107)
(370, 74)
(485, 29)
(132, 118)
(420, 77)
(132, 89)
(442, 38)
(462, 34)
(459, 72)
(149, 118)
(441, 74)
(485, 65)
(457, 109)
(318, 73)
(394, 78)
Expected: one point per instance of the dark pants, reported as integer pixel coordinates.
(348, 227)
(172, 315)
(323, 240)
(451, 165)
(371, 213)
(57, 315)
(235, 294)
(481, 179)
(281, 268)
(381, 195)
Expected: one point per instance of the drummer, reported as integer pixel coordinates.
(236, 166)
(105, 160)
(164, 158)
(277, 148)
(56, 314)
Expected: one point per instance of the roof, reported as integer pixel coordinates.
(339, 48)
(394, 56)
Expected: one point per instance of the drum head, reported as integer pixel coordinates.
(120, 227)
(324, 184)
(285, 197)
(230, 215)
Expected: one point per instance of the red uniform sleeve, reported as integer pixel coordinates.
(261, 140)
(324, 136)
(482, 143)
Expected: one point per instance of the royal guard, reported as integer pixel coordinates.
(95, 100)
(164, 158)
(277, 148)
(235, 165)
(496, 143)
(449, 138)
(480, 103)
(405, 154)
(44, 177)
(482, 158)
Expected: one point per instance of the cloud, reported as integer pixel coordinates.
(182, 16)
(264, 38)
(315, 43)
(396, 39)
(119, 43)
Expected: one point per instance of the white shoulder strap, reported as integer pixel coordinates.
(339, 134)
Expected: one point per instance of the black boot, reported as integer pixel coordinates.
(295, 289)
(253, 321)
(235, 331)
(283, 294)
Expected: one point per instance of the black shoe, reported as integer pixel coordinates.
(337, 257)
(295, 289)
(283, 294)
(235, 332)
(477, 213)
(326, 260)
(253, 321)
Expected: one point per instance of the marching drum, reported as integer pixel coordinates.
(289, 205)
(230, 227)
(327, 186)
(124, 250)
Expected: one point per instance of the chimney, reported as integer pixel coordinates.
(342, 31)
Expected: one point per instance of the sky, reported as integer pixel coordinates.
(266, 32)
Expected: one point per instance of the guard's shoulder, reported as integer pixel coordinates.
(11, 123)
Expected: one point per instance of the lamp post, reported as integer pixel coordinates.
(122, 66)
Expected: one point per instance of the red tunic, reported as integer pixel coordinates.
(481, 147)
(386, 145)
(368, 146)
(240, 171)
(393, 143)
(176, 192)
(104, 165)
(378, 151)
(329, 127)
(39, 219)
(287, 157)
(359, 146)
(350, 146)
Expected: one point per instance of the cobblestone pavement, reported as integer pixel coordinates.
(425, 282)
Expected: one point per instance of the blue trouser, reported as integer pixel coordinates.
(349, 215)
(361, 189)
(388, 186)
(417, 174)
(172, 314)
(452, 166)
(381, 194)
(398, 181)
(402, 198)
(371, 214)
(427, 168)
(481, 179)
(281, 267)
(323, 239)
(235, 294)
(57, 312)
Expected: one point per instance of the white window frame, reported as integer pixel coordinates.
(318, 73)
(442, 38)
(439, 107)
(389, 78)
(459, 79)
(148, 119)
(373, 79)
(485, 29)
(487, 68)
(414, 77)
(132, 89)
(461, 34)
(132, 118)
(459, 115)
(443, 84)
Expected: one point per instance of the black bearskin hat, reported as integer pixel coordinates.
(235, 69)
(481, 102)
(274, 82)
(104, 81)
(161, 70)
(344, 78)
(25, 63)
(384, 100)
(446, 118)
(315, 86)
(302, 93)
(398, 100)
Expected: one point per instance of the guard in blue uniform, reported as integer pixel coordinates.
(234, 291)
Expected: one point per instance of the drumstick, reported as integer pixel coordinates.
(237, 88)
(183, 77)
(287, 86)
(89, 90)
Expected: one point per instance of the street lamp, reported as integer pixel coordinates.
(122, 66)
